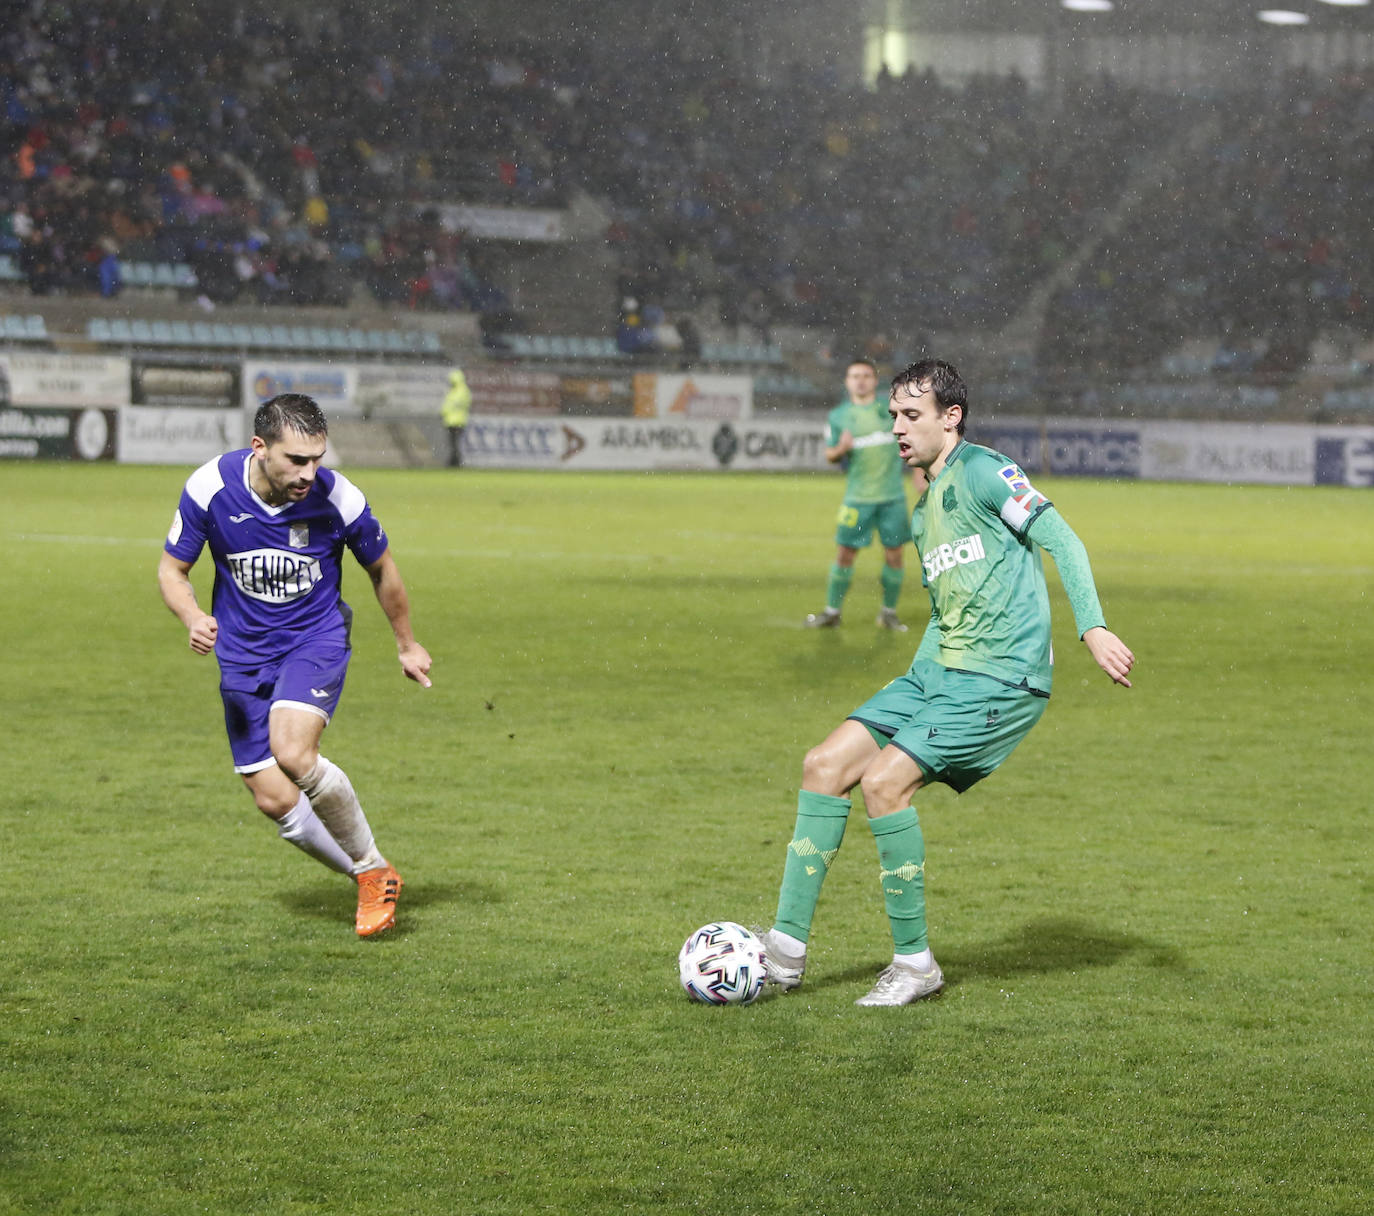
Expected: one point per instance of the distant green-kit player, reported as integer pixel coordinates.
(860, 437)
(980, 679)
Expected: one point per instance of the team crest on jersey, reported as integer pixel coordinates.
(1014, 478)
(950, 500)
(300, 536)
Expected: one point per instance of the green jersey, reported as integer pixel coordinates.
(990, 607)
(874, 464)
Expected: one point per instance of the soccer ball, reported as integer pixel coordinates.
(722, 964)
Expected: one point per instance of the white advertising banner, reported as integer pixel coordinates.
(502, 223)
(523, 442)
(333, 385)
(1227, 451)
(152, 435)
(399, 390)
(36, 378)
(693, 396)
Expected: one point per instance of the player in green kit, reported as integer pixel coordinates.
(980, 679)
(874, 500)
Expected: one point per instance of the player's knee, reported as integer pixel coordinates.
(297, 761)
(822, 771)
(887, 789)
(275, 803)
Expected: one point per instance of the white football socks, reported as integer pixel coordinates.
(333, 800)
(302, 827)
(922, 962)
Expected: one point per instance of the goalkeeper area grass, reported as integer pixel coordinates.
(1155, 919)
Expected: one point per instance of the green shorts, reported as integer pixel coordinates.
(957, 725)
(856, 521)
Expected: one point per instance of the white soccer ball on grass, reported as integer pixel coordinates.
(722, 964)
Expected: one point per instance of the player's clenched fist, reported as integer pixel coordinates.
(204, 631)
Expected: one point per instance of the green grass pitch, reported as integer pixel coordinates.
(1156, 919)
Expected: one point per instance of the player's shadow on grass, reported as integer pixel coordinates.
(1039, 947)
(333, 901)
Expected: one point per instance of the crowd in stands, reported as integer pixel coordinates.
(1255, 245)
(284, 160)
(304, 159)
(839, 207)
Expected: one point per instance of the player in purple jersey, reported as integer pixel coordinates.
(277, 523)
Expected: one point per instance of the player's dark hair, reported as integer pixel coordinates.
(289, 411)
(946, 384)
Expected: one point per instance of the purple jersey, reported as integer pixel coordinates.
(277, 569)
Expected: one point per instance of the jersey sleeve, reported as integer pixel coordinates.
(835, 428)
(1007, 492)
(363, 533)
(190, 525)
(1053, 534)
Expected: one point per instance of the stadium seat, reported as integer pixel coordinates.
(9, 269)
(141, 332)
(98, 330)
(184, 276)
(319, 338)
(182, 335)
(203, 334)
(394, 342)
(243, 336)
(162, 333)
(164, 275)
(300, 337)
(121, 331)
(430, 344)
(225, 336)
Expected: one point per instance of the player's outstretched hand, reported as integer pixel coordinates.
(415, 662)
(1110, 653)
(204, 631)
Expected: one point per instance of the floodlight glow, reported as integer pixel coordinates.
(1088, 6)
(1282, 16)
(1347, 3)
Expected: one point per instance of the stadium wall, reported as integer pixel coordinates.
(89, 407)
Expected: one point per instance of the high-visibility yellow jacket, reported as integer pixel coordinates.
(458, 399)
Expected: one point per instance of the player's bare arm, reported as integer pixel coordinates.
(174, 582)
(1110, 653)
(391, 595)
(843, 446)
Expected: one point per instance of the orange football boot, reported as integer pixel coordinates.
(378, 891)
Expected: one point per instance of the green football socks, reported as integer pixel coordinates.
(891, 579)
(821, 821)
(902, 868)
(838, 586)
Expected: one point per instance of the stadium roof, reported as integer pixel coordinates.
(1136, 16)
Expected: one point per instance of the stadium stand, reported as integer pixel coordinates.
(305, 165)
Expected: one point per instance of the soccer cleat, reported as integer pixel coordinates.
(826, 619)
(888, 619)
(783, 970)
(378, 891)
(900, 985)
